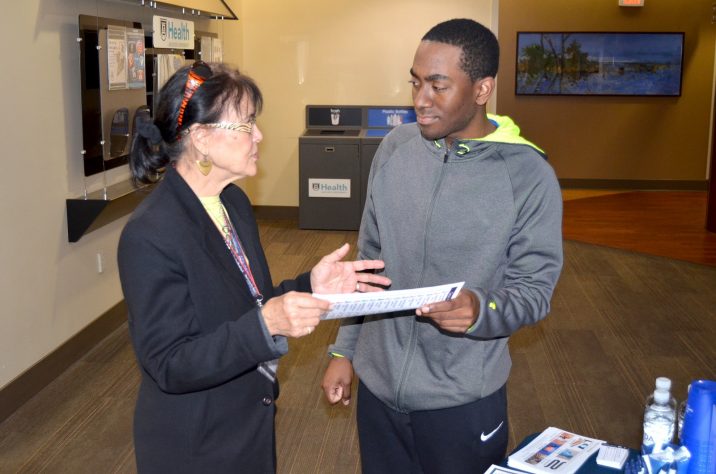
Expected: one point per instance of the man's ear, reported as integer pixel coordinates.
(200, 139)
(483, 89)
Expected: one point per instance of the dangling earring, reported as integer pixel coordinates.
(204, 165)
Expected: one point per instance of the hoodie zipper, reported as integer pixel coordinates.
(413, 329)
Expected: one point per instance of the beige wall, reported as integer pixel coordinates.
(329, 52)
(616, 138)
(49, 289)
(310, 52)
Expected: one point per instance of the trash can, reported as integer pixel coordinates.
(329, 168)
(335, 154)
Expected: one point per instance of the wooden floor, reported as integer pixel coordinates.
(668, 224)
(619, 319)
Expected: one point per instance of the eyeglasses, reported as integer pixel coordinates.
(246, 127)
(199, 72)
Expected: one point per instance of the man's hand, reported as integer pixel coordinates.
(337, 381)
(456, 315)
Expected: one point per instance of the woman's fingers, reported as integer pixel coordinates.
(368, 279)
(294, 314)
(360, 265)
(337, 255)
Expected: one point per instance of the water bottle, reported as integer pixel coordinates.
(680, 419)
(680, 414)
(659, 421)
(662, 383)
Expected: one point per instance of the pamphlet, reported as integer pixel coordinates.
(554, 451)
(346, 305)
(612, 456)
(495, 469)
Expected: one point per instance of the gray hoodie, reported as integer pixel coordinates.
(488, 212)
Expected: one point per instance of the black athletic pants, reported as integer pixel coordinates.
(463, 439)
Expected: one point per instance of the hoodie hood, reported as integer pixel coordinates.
(507, 131)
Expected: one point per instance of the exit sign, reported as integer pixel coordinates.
(631, 3)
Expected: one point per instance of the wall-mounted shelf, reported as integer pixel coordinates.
(212, 9)
(99, 208)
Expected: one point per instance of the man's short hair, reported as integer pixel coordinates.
(480, 50)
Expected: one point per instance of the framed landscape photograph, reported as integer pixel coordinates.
(587, 63)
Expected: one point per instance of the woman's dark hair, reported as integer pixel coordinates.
(480, 49)
(159, 142)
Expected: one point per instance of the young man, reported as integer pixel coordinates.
(459, 196)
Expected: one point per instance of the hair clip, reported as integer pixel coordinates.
(199, 72)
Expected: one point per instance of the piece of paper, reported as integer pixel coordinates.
(495, 469)
(346, 305)
(612, 456)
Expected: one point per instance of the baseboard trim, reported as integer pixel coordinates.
(37, 377)
(276, 212)
(634, 184)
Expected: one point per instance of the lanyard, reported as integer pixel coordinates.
(237, 251)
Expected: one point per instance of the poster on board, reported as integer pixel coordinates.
(205, 53)
(117, 57)
(135, 59)
(217, 50)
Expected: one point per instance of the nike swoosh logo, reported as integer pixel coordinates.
(484, 437)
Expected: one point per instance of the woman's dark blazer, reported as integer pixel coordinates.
(196, 330)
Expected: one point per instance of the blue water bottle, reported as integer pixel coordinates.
(699, 431)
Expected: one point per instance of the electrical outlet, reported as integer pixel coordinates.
(100, 262)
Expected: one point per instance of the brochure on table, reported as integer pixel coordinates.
(554, 451)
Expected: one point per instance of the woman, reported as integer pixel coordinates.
(206, 323)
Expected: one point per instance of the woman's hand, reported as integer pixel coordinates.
(293, 314)
(331, 275)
